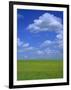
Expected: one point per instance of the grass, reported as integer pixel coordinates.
(39, 69)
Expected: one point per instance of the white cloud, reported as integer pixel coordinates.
(26, 49)
(46, 43)
(39, 52)
(60, 43)
(30, 48)
(46, 22)
(59, 36)
(57, 43)
(19, 42)
(25, 45)
(25, 56)
(50, 51)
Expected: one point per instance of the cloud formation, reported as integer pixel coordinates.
(57, 43)
(40, 52)
(46, 43)
(47, 48)
(25, 45)
(19, 42)
(46, 22)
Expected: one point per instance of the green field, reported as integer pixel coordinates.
(39, 69)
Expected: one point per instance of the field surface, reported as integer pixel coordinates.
(39, 69)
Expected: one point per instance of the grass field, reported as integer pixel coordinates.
(39, 69)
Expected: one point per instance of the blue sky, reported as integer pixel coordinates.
(39, 34)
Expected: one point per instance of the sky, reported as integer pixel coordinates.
(39, 34)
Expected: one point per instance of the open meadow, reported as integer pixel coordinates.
(39, 69)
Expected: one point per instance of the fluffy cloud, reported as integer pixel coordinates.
(39, 52)
(46, 22)
(22, 47)
(57, 43)
(19, 42)
(60, 43)
(49, 51)
(25, 56)
(60, 35)
(25, 45)
(46, 43)
(30, 48)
